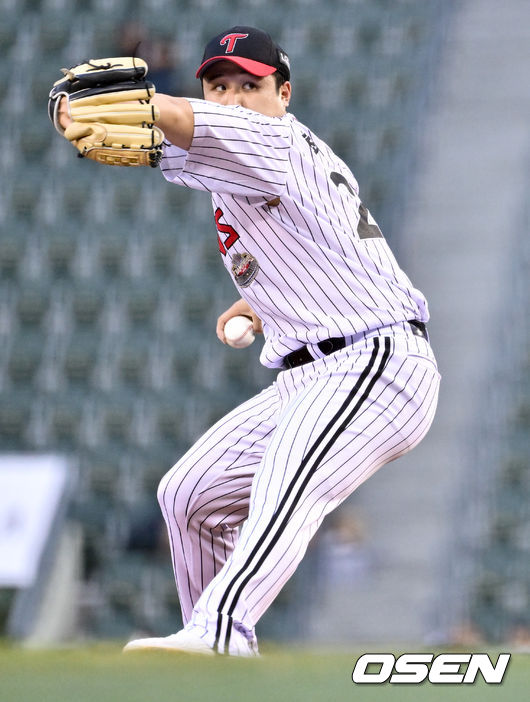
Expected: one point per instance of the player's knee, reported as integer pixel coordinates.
(173, 495)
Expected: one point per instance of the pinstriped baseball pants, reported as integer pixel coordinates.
(243, 503)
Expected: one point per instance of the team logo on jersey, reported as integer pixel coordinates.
(230, 40)
(311, 143)
(244, 268)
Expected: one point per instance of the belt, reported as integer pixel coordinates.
(302, 355)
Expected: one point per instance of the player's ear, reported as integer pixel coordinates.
(285, 93)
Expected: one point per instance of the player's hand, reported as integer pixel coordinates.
(239, 307)
(64, 115)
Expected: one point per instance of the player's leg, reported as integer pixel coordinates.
(204, 498)
(366, 409)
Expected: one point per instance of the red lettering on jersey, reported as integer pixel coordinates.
(232, 237)
(231, 39)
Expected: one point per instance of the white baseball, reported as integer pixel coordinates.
(238, 332)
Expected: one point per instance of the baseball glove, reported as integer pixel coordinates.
(112, 118)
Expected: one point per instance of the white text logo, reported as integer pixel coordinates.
(377, 668)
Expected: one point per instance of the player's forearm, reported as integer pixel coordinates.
(176, 119)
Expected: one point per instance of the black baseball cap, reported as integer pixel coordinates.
(250, 48)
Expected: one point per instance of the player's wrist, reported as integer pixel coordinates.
(176, 119)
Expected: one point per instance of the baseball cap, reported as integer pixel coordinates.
(250, 48)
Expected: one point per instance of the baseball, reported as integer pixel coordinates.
(238, 332)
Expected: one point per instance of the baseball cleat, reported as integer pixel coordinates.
(181, 642)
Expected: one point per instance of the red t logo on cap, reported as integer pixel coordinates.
(231, 39)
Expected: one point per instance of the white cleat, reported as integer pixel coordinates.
(181, 642)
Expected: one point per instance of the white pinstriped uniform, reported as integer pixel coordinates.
(316, 280)
(287, 457)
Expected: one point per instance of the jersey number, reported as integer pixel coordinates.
(229, 240)
(367, 227)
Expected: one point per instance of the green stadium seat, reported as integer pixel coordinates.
(55, 32)
(14, 419)
(35, 137)
(103, 476)
(65, 422)
(24, 197)
(132, 364)
(39, 83)
(80, 359)
(197, 306)
(61, 247)
(111, 256)
(87, 305)
(176, 201)
(24, 359)
(32, 305)
(117, 419)
(142, 303)
(12, 249)
(162, 255)
(8, 33)
(170, 422)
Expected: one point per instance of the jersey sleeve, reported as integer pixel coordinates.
(234, 151)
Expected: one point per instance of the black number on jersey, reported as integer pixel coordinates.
(232, 237)
(367, 227)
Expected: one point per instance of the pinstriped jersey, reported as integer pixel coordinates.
(293, 233)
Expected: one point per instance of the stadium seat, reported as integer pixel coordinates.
(80, 359)
(24, 358)
(65, 423)
(54, 31)
(34, 138)
(87, 306)
(8, 33)
(12, 249)
(24, 197)
(117, 418)
(142, 303)
(60, 253)
(14, 419)
(132, 363)
(111, 254)
(162, 255)
(32, 305)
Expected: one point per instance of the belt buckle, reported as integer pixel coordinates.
(287, 362)
(418, 329)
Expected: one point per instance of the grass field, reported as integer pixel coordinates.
(102, 674)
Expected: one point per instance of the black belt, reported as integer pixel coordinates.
(302, 355)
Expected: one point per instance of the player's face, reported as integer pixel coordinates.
(227, 84)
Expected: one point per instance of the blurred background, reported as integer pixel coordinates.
(110, 287)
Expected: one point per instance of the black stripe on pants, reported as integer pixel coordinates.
(293, 484)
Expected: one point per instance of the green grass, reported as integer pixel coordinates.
(102, 674)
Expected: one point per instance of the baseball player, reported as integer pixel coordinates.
(357, 384)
